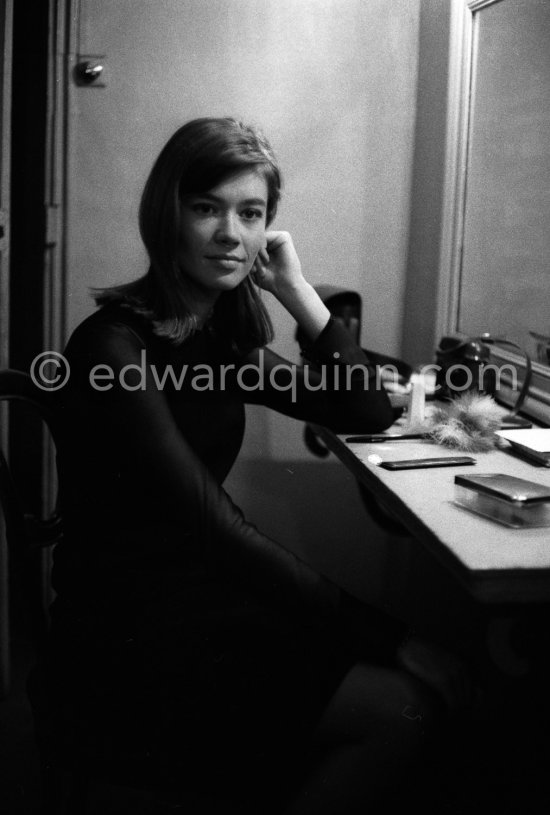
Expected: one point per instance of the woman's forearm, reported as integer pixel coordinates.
(277, 269)
(306, 307)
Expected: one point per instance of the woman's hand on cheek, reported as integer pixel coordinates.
(277, 268)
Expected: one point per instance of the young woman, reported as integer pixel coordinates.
(178, 626)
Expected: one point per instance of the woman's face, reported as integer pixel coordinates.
(223, 231)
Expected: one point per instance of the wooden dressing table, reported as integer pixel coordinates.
(495, 564)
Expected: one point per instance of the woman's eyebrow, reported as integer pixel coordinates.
(255, 201)
(217, 200)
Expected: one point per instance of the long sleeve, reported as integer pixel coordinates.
(336, 386)
(139, 418)
(142, 418)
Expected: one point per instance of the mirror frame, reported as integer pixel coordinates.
(462, 67)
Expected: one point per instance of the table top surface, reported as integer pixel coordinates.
(495, 562)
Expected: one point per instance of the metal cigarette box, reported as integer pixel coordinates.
(514, 502)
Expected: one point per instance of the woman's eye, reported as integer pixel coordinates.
(252, 214)
(203, 208)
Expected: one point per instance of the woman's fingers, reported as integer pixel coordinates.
(275, 239)
(392, 386)
(261, 262)
(259, 272)
(393, 381)
(277, 266)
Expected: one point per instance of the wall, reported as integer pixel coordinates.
(332, 83)
(426, 206)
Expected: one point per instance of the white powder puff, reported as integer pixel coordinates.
(467, 423)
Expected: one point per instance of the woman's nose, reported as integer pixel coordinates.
(228, 231)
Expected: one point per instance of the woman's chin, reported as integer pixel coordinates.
(229, 281)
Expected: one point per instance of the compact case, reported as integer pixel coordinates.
(515, 502)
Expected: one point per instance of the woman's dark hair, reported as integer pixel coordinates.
(199, 156)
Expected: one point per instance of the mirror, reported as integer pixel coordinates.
(500, 270)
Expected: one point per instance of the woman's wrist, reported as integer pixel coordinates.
(304, 304)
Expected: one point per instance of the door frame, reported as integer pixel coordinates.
(6, 33)
(58, 39)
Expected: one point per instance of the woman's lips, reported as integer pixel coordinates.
(225, 261)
